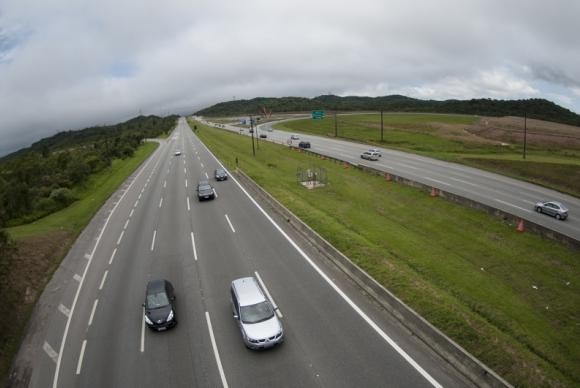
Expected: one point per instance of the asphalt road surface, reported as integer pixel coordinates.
(510, 195)
(154, 227)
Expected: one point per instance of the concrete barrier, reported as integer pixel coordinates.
(464, 362)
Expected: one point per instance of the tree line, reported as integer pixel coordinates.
(536, 108)
(40, 179)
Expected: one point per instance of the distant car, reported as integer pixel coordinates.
(369, 155)
(294, 137)
(552, 208)
(220, 174)
(177, 153)
(376, 151)
(255, 315)
(251, 131)
(304, 144)
(160, 305)
(205, 191)
(263, 135)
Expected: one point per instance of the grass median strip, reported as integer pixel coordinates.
(508, 298)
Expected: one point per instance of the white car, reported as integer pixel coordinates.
(294, 137)
(376, 151)
(369, 155)
(177, 153)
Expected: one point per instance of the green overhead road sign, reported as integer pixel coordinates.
(318, 114)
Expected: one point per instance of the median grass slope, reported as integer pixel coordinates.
(40, 247)
(494, 144)
(510, 299)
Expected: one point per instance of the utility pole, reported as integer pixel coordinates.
(335, 125)
(525, 132)
(381, 125)
(252, 133)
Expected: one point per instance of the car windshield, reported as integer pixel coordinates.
(157, 300)
(204, 188)
(257, 312)
(220, 172)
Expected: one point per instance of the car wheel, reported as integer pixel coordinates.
(539, 209)
(558, 217)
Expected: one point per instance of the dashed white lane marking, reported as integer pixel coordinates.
(406, 165)
(120, 237)
(512, 205)
(215, 351)
(161, 202)
(93, 311)
(126, 224)
(436, 181)
(131, 214)
(103, 280)
(81, 356)
(136, 203)
(50, 351)
(63, 309)
(185, 170)
(230, 223)
(193, 247)
(142, 348)
(164, 184)
(464, 182)
(77, 277)
(268, 294)
(215, 193)
(153, 240)
(87, 256)
(112, 256)
(206, 176)
(186, 183)
(139, 197)
(188, 208)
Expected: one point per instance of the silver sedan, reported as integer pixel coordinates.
(552, 208)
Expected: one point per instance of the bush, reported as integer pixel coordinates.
(62, 196)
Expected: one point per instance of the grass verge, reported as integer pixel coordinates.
(510, 299)
(41, 246)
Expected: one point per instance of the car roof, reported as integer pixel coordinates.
(248, 291)
(156, 285)
(203, 182)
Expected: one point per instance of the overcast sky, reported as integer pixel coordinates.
(69, 64)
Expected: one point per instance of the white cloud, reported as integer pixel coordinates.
(72, 64)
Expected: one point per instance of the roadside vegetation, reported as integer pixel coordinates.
(511, 299)
(493, 144)
(48, 194)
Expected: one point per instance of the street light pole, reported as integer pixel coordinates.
(252, 133)
(381, 125)
(335, 126)
(525, 132)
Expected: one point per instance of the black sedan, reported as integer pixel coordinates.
(304, 144)
(159, 305)
(205, 191)
(220, 174)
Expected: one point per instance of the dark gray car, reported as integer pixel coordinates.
(205, 191)
(552, 208)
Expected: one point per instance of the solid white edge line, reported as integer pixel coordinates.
(142, 348)
(103, 280)
(96, 302)
(153, 240)
(193, 247)
(230, 223)
(215, 351)
(263, 285)
(81, 356)
(112, 256)
(357, 309)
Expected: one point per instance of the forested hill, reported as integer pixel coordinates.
(534, 108)
(41, 179)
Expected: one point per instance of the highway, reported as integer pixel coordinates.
(89, 330)
(510, 195)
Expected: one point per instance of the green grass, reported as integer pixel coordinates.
(91, 197)
(465, 271)
(443, 137)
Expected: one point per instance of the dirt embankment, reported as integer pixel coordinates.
(538, 133)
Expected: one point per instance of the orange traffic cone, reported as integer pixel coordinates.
(434, 192)
(521, 227)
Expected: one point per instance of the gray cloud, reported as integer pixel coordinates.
(70, 64)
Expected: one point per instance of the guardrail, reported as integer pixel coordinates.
(449, 350)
